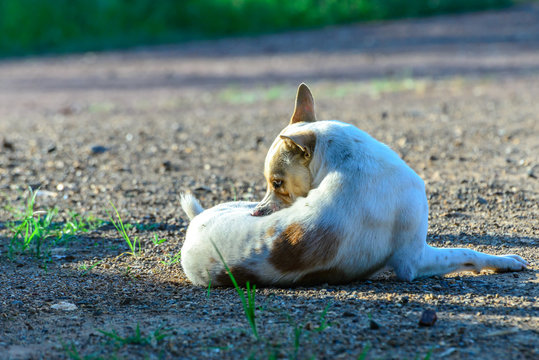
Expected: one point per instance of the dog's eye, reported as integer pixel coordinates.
(277, 183)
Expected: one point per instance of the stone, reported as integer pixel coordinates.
(64, 306)
(428, 318)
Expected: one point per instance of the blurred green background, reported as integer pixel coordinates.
(45, 26)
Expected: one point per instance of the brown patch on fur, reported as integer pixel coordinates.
(241, 274)
(296, 249)
(270, 232)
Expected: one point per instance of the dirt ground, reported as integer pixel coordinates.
(455, 96)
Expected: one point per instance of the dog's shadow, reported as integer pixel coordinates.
(474, 239)
(465, 286)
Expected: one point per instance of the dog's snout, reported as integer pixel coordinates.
(267, 206)
(261, 212)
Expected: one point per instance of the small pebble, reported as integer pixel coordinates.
(481, 201)
(428, 318)
(8, 145)
(46, 193)
(166, 165)
(404, 300)
(203, 188)
(532, 171)
(98, 149)
(64, 306)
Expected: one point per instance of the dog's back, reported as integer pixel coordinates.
(347, 218)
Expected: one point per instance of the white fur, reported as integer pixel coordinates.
(362, 191)
(190, 205)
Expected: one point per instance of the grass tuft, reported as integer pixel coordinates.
(300, 330)
(173, 260)
(119, 225)
(76, 224)
(137, 337)
(87, 268)
(324, 324)
(73, 354)
(247, 298)
(30, 229)
(156, 241)
(36, 232)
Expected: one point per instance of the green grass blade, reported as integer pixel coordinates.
(119, 225)
(87, 269)
(323, 321)
(248, 305)
(209, 288)
(173, 260)
(364, 352)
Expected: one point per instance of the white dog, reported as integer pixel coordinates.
(339, 206)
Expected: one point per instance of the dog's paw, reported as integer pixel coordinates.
(511, 262)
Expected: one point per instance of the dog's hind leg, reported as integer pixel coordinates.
(431, 261)
(414, 258)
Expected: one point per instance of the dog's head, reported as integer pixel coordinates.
(286, 167)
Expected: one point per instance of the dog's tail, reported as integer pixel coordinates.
(190, 205)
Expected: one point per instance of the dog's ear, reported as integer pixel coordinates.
(304, 110)
(304, 140)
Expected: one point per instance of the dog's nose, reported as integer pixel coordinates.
(260, 212)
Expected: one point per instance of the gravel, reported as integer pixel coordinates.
(455, 96)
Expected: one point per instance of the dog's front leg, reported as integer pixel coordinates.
(440, 261)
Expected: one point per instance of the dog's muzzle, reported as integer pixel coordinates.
(261, 212)
(265, 207)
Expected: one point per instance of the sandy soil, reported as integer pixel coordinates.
(455, 96)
